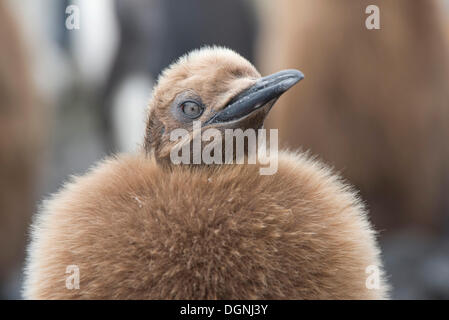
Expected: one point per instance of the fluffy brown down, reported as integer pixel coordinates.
(138, 231)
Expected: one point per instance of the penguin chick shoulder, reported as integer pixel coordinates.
(139, 227)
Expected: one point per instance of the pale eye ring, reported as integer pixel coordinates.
(191, 109)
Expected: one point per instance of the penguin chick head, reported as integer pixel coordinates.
(216, 87)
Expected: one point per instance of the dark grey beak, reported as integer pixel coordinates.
(266, 89)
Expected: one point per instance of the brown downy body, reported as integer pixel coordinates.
(376, 101)
(137, 229)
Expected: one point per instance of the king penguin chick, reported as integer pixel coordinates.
(140, 227)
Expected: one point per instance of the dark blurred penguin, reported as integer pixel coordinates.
(140, 227)
(376, 103)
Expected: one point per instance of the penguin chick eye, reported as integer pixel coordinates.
(191, 109)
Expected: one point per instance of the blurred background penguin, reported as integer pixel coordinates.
(20, 131)
(374, 104)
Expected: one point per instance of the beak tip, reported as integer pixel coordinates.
(293, 77)
(298, 75)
